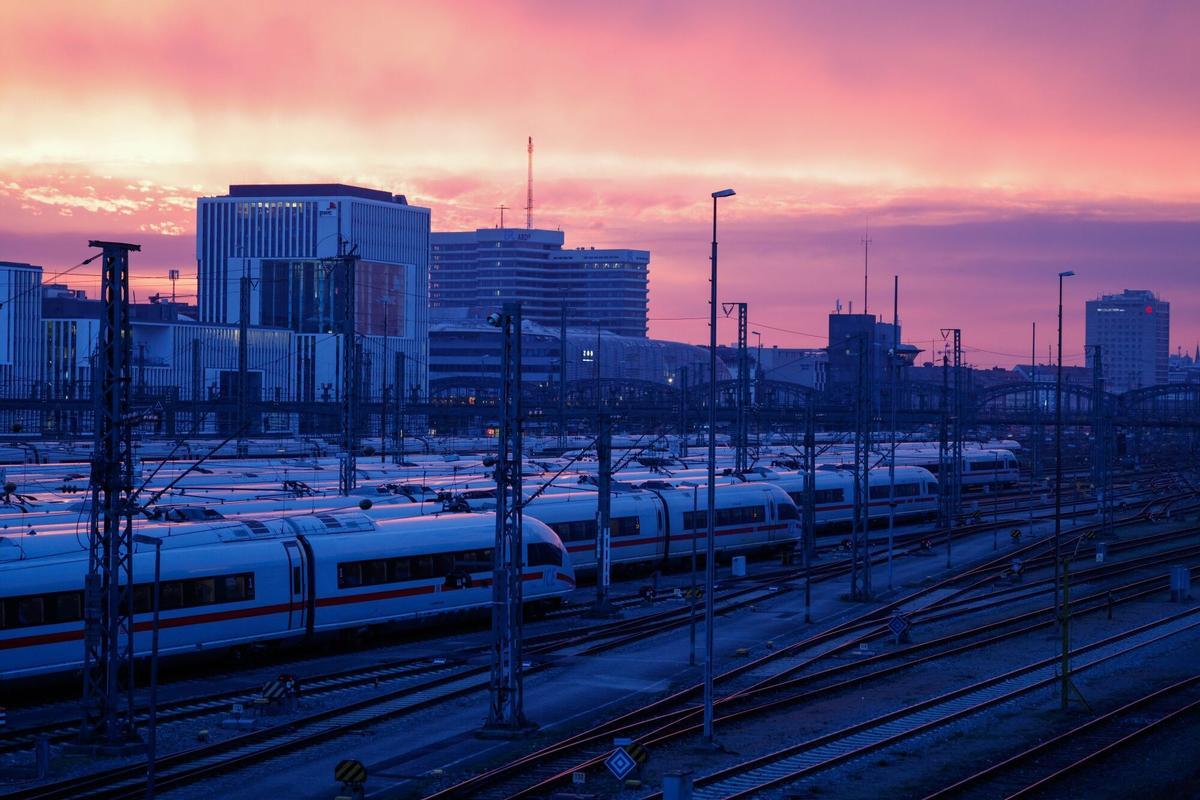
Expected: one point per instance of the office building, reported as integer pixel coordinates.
(283, 237)
(1132, 330)
(853, 337)
(175, 359)
(20, 342)
(478, 270)
(464, 356)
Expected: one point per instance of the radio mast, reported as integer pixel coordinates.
(529, 190)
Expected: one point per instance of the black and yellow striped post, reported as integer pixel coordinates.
(352, 775)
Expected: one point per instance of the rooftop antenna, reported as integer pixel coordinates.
(529, 190)
(866, 261)
(502, 208)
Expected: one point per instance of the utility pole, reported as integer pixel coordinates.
(953, 419)
(398, 409)
(1059, 611)
(957, 450)
(108, 725)
(893, 369)
(1035, 470)
(506, 714)
(604, 516)
(741, 461)
(197, 384)
(383, 385)
(860, 541)
(348, 474)
(809, 534)
(1101, 473)
(562, 378)
(683, 413)
(243, 415)
(945, 479)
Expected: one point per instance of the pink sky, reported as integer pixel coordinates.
(991, 145)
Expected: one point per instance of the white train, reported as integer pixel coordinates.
(981, 469)
(916, 494)
(236, 583)
(655, 526)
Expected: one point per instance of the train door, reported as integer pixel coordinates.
(297, 587)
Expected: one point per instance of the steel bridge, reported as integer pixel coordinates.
(777, 405)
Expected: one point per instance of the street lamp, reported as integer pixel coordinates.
(152, 738)
(710, 544)
(1058, 476)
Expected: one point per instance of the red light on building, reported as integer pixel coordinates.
(1149, 309)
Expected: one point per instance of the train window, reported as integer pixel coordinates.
(742, 515)
(349, 575)
(68, 606)
(625, 526)
(788, 511)
(234, 588)
(143, 598)
(399, 570)
(825, 496)
(199, 592)
(879, 492)
(695, 520)
(170, 596)
(474, 560)
(579, 531)
(907, 489)
(31, 611)
(375, 572)
(542, 554)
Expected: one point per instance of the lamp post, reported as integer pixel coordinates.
(710, 544)
(1058, 476)
(152, 736)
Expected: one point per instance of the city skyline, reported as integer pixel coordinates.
(987, 149)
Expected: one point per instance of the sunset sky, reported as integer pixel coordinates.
(990, 145)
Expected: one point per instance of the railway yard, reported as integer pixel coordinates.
(302, 628)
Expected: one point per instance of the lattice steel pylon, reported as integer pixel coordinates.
(348, 466)
(506, 713)
(741, 436)
(107, 720)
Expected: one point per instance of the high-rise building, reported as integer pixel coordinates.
(1133, 331)
(478, 270)
(282, 238)
(20, 326)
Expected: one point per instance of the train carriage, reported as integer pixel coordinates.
(210, 597)
(236, 583)
(409, 569)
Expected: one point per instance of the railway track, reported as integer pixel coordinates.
(796, 762)
(543, 770)
(1039, 768)
(423, 685)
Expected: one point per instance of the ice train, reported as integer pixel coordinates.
(229, 584)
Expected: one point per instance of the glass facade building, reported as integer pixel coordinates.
(284, 238)
(478, 270)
